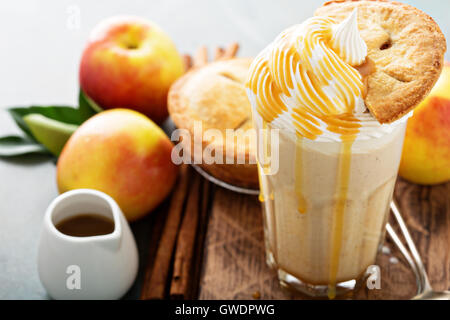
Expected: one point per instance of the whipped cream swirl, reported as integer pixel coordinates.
(306, 81)
(347, 41)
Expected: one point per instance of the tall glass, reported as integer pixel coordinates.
(325, 206)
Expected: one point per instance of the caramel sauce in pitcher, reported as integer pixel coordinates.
(86, 225)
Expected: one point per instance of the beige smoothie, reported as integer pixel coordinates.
(325, 210)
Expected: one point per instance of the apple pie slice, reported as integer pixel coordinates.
(407, 48)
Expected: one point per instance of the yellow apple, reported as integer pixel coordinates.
(124, 154)
(426, 153)
(130, 63)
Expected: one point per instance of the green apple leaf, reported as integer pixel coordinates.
(51, 133)
(86, 106)
(59, 113)
(64, 114)
(47, 128)
(12, 146)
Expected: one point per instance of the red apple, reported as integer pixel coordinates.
(124, 154)
(130, 63)
(426, 154)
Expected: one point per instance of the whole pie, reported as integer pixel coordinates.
(214, 97)
(407, 48)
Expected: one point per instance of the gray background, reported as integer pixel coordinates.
(39, 59)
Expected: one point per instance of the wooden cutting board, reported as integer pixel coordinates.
(234, 265)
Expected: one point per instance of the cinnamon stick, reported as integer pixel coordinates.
(218, 53)
(201, 57)
(231, 51)
(156, 278)
(187, 59)
(181, 285)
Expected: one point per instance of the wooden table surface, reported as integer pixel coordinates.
(233, 264)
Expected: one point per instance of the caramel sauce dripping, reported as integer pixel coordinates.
(264, 164)
(343, 179)
(266, 148)
(301, 201)
(261, 197)
(348, 138)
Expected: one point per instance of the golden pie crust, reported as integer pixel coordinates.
(215, 96)
(407, 48)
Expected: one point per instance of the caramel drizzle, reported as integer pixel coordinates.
(287, 71)
(264, 164)
(261, 196)
(343, 180)
(301, 200)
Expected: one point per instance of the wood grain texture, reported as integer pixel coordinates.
(234, 260)
(427, 213)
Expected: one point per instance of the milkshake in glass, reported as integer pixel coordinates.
(326, 203)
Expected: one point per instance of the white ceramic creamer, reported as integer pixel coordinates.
(94, 267)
